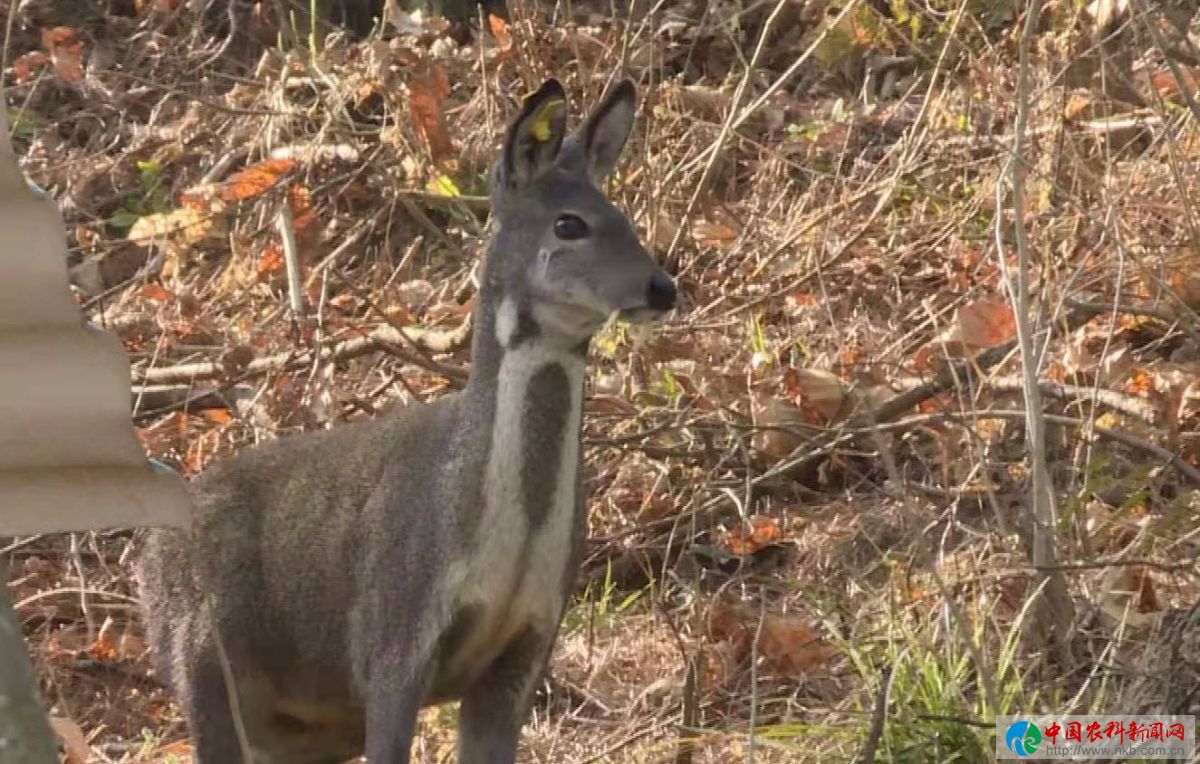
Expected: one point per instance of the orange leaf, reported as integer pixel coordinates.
(763, 532)
(255, 180)
(156, 293)
(1077, 105)
(66, 52)
(270, 261)
(794, 647)
(104, 649)
(922, 360)
(218, 416)
(797, 301)
(785, 642)
(303, 214)
(500, 31)
(1141, 383)
(936, 405)
(426, 91)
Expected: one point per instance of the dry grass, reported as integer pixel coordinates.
(832, 254)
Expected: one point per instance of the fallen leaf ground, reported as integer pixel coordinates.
(810, 484)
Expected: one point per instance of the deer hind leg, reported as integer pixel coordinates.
(206, 702)
(221, 729)
(497, 704)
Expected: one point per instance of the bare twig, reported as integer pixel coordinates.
(382, 338)
(878, 718)
(1126, 404)
(1055, 608)
(1169, 457)
(758, 629)
(291, 260)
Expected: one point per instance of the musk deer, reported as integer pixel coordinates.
(344, 579)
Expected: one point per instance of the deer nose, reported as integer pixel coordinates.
(660, 295)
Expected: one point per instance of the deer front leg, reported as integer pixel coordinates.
(496, 706)
(395, 696)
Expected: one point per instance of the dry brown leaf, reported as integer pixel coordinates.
(75, 745)
(786, 644)
(763, 532)
(799, 302)
(501, 32)
(695, 100)
(26, 66)
(1077, 104)
(1168, 86)
(1186, 283)
(713, 234)
(771, 412)
(155, 293)
(130, 647)
(255, 180)
(177, 229)
(792, 645)
(303, 213)
(105, 649)
(1129, 596)
(427, 89)
(1141, 382)
(66, 52)
(985, 324)
(819, 394)
(218, 416)
(180, 749)
(269, 262)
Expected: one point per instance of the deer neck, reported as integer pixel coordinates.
(525, 398)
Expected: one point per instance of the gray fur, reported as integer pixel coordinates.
(547, 408)
(359, 574)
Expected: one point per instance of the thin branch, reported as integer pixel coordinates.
(382, 338)
(291, 260)
(1055, 609)
(878, 718)
(1169, 457)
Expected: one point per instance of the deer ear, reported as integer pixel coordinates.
(600, 140)
(536, 134)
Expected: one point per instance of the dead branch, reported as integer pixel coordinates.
(382, 338)
(1126, 404)
(878, 718)
(1170, 457)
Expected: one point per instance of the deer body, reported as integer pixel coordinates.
(347, 578)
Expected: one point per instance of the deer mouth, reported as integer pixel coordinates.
(641, 315)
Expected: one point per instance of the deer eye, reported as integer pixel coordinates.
(570, 227)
